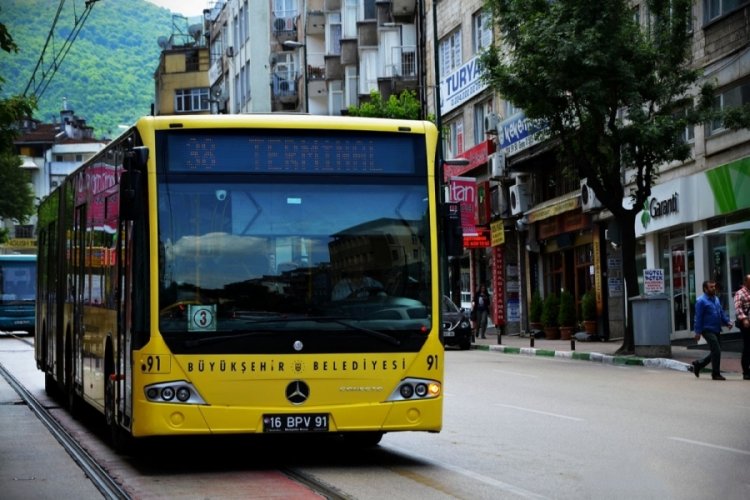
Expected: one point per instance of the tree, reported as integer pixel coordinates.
(405, 106)
(575, 66)
(16, 198)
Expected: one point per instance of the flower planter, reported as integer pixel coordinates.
(566, 332)
(551, 332)
(590, 326)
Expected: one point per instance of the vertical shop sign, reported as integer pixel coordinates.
(498, 282)
(463, 190)
(597, 270)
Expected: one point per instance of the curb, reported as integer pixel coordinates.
(666, 363)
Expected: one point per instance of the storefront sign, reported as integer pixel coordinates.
(497, 233)
(463, 190)
(536, 215)
(518, 133)
(477, 156)
(461, 85)
(653, 281)
(480, 240)
(655, 208)
(614, 287)
(498, 282)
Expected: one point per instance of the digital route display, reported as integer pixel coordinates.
(295, 151)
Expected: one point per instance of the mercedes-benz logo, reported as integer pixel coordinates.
(297, 392)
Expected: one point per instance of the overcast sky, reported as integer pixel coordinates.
(188, 8)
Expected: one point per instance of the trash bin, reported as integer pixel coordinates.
(652, 326)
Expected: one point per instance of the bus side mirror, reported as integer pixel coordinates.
(130, 181)
(452, 230)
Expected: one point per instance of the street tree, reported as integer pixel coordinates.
(16, 196)
(613, 95)
(405, 106)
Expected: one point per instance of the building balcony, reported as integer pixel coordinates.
(316, 22)
(284, 88)
(334, 70)
(284, 27)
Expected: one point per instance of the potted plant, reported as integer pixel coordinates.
(535, 311)
(549, 316)
(566, 315)
(588, 311)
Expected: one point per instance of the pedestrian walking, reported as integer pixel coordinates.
(481, 305)
(742, 312)
(709, 318)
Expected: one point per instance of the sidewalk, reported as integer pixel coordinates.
(604, 352)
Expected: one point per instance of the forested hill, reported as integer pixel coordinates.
(108, 74)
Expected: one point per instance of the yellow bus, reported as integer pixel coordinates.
(247, 274)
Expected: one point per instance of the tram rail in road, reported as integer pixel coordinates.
(99, 477)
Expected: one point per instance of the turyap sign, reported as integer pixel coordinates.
(461, 85)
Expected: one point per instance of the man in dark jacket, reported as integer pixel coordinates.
(709, 318)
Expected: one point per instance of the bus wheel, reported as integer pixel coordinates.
(73, 401)
(51, 387)
(362, 439)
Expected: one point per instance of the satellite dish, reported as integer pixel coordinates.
(162, 41)
(195, 31)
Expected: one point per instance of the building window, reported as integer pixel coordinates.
(454, 140)
(79, 158)
(688, 133)
(190, 100)
(450, 53)
(481, 110)
(24, 231)
(59, 158)
(730, 98)
(482, 30)
(370, 11)
(334, 34)
(713, 9)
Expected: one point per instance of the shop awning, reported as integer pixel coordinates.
(731, 228)
(554, 206)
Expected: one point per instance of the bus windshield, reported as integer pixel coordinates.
(17, 280)
(275, 254)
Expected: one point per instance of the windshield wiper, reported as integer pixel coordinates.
(319, 319)
(342, 321)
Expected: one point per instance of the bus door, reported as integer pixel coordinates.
(78, 272)
(123, 355)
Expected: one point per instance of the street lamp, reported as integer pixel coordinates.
(292, 44)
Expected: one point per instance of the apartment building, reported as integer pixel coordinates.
(48, 152)
(313, 56)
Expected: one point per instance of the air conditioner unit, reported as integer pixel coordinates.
(497, 165)
(519, 198)
(589, 201)
(490, 123)
(499, 201)
(230, 51)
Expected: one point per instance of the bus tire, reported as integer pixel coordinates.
(51, 387)
(73, 401)
(362, 439)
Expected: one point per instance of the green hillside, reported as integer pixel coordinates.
(108, 74)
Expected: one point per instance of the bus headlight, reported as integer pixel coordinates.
(175, 392)
(412, 389)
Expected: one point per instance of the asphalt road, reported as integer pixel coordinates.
(514, 427)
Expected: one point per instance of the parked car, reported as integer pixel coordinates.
(456, 327)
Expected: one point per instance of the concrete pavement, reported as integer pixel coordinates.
(683, 352)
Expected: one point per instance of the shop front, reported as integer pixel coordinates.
(569, 251)
(697, 228)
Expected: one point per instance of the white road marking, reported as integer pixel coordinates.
(709, 445)
(557, 415)
(516, 490)
(517, 374)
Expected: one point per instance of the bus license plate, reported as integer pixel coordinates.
(299, 422)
